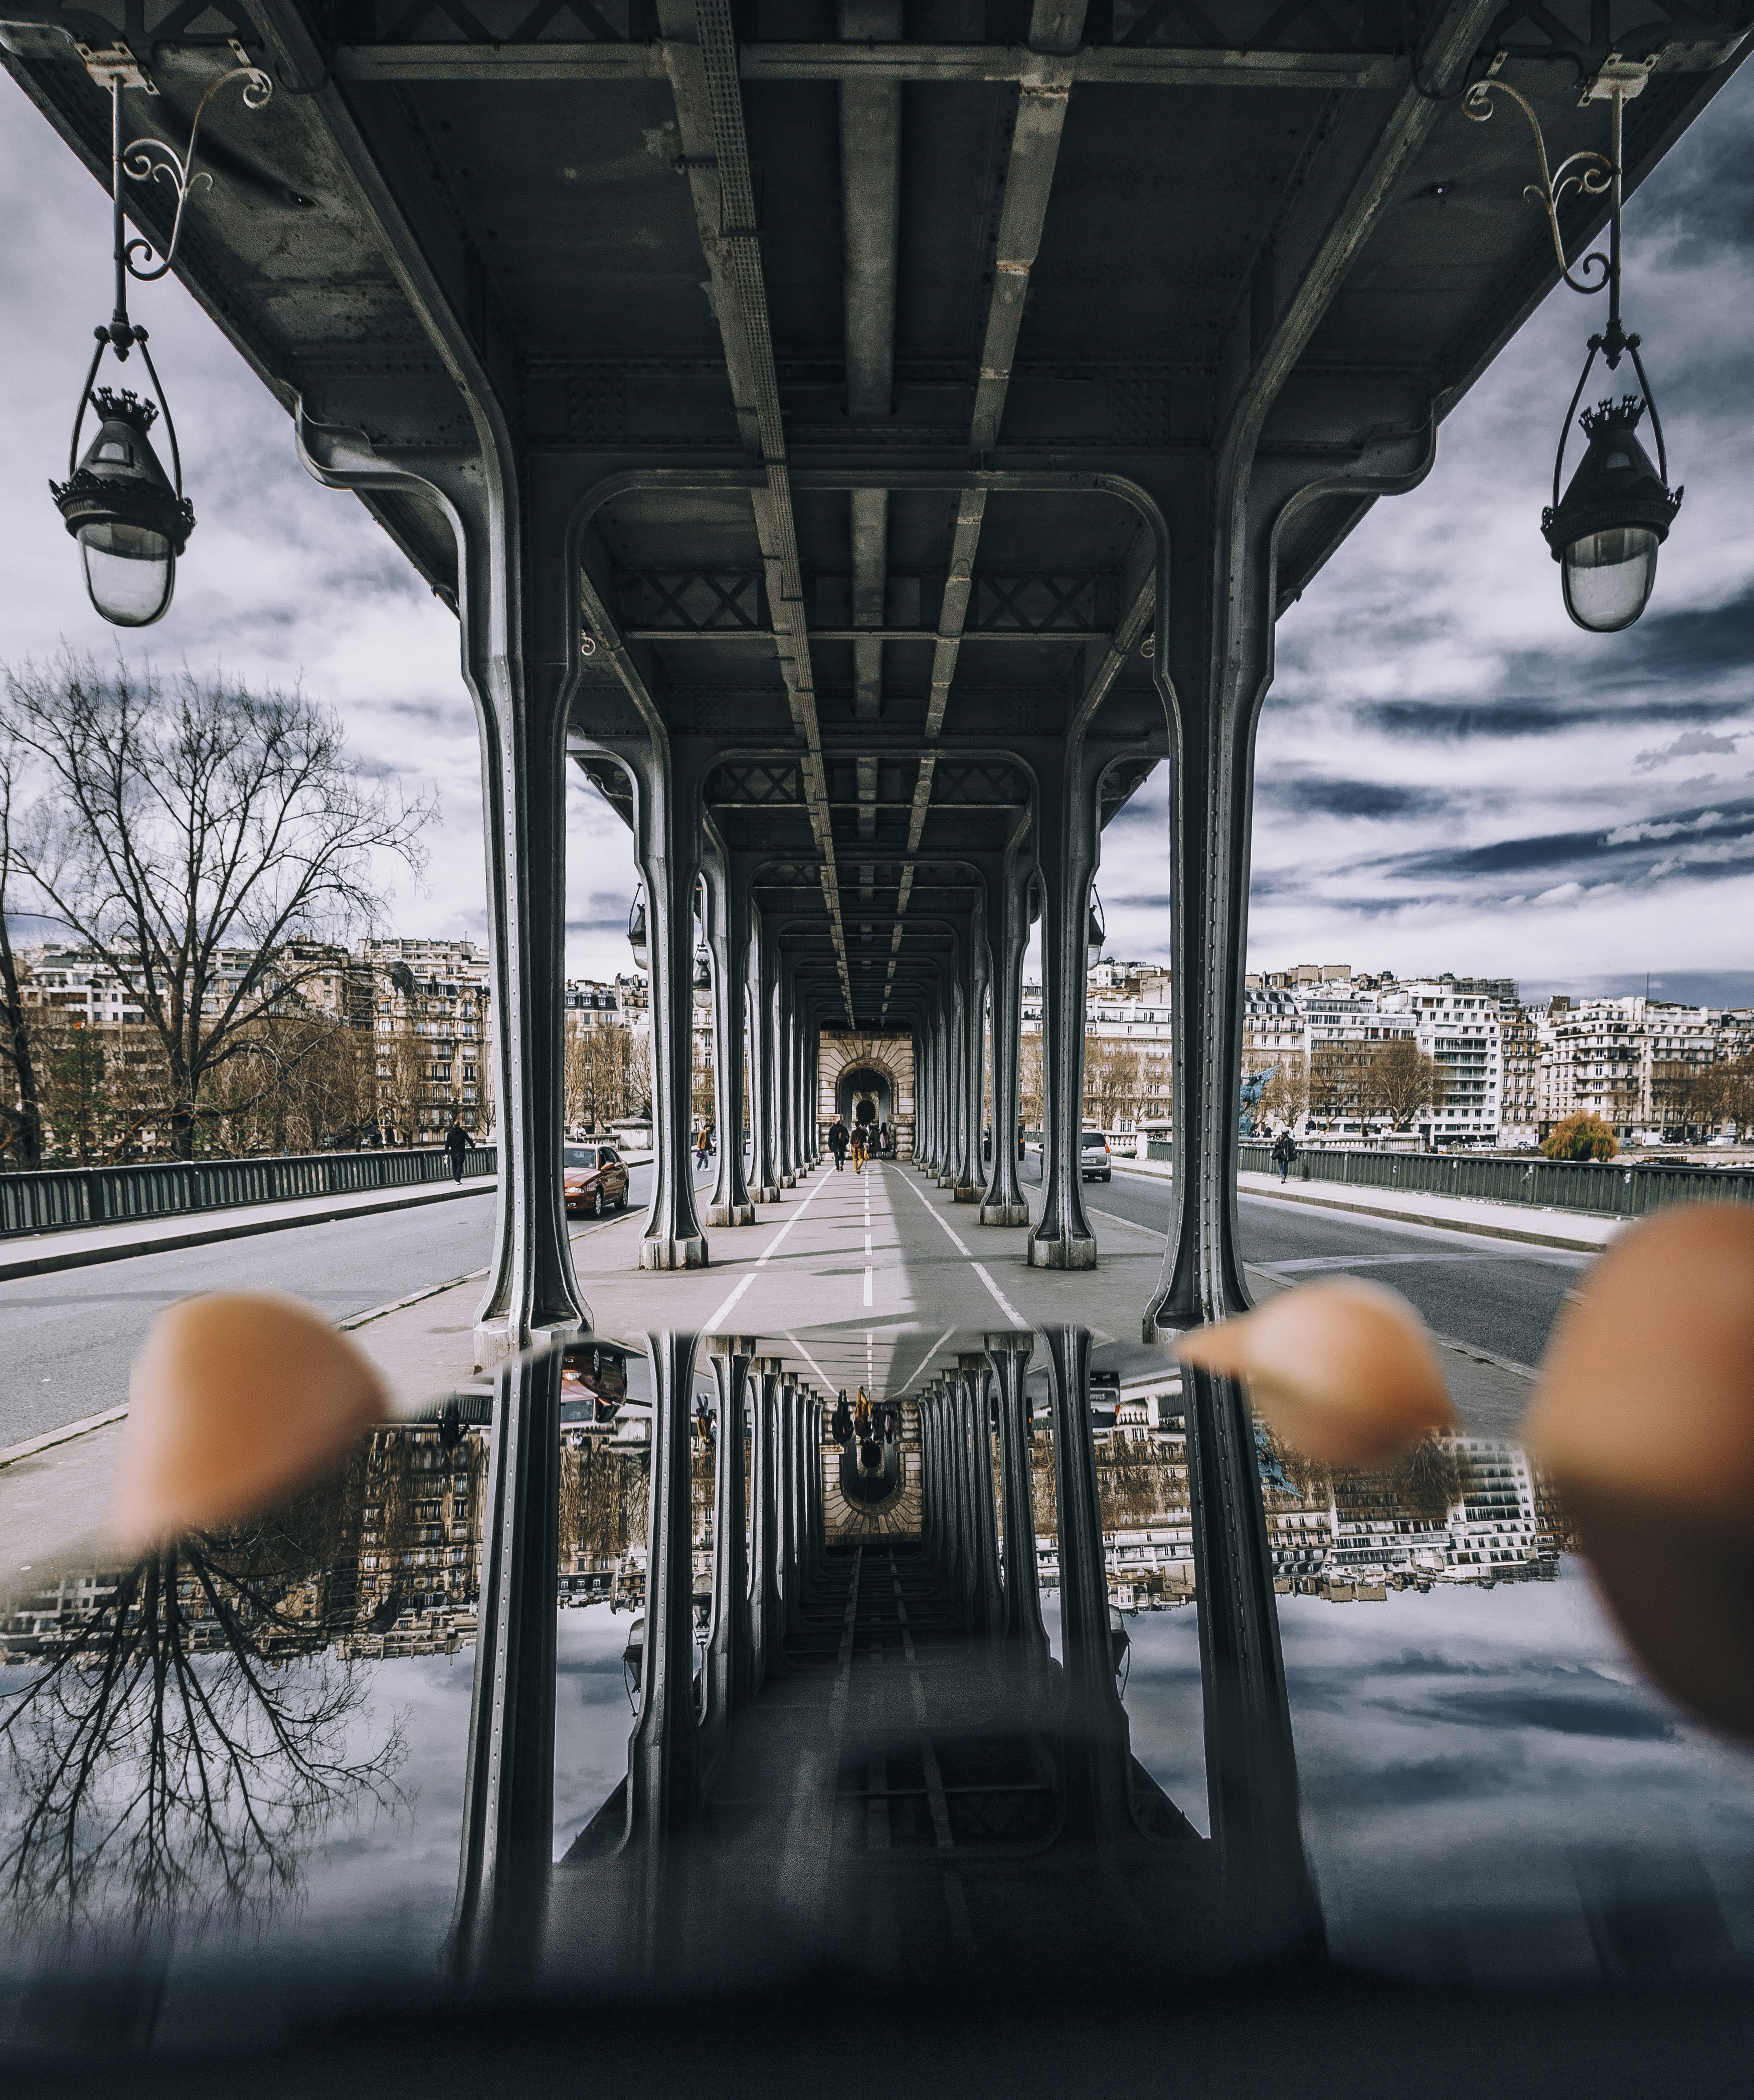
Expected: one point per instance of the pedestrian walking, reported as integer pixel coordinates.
(456, 1143)
(703, 1147)
(858, 1148)
(837, 1142)
(1284, 1151)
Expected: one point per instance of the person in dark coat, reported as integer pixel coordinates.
(1284, 1151)
(456, 1142)
(837, 1142)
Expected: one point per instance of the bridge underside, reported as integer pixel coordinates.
(868, 440)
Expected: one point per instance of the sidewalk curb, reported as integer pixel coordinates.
(64, 1435)
(45, 1260)
(1480, 1228)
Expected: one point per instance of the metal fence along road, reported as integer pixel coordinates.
(64, 1199)
(1612, 1188)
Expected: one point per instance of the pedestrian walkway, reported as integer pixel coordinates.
(871, 1279)
(902, 1801)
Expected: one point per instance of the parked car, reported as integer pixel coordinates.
(1095, 1159)
(594, 1179)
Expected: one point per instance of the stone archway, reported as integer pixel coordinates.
(864, 1093)
(858, 1067)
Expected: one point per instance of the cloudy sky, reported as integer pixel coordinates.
(1451, 775)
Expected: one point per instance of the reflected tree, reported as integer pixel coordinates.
(186, 1736)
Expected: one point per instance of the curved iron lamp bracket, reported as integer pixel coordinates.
(1591, 174)
(148, 159)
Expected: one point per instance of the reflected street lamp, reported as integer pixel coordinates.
(131, 517)
(637, 938)
(1605, 531)
(1096, 933)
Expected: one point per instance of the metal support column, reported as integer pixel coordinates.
(766, 1607)
(730, 1647)
(1067, 836)
(509, 1786)
(664, 1756)
(986, 1591)
(1003, 1203)
(1095, 1738)
(728, 943)
(668, 828)
(1026, 1634)
(970, 1077)
(764, 1172)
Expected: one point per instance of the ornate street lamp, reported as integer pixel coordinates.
(130, 519)
(1605, 531)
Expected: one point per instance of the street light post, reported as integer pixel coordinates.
(1606, 528)
(132, 520)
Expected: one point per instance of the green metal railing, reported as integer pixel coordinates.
(64, 1199)
(1612, 1188)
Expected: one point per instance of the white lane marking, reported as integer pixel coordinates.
(902, 1384)
(1010, 1311)
(828, 1383)
(867, 1286)
(868, 1244)
(711, 1326)
(1312, 1263)
(1114, 1218)
(933, 1211)
(762, 1260)
(1006, 1307)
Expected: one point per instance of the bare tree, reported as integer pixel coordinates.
(1400, 1080)
(185, 1739)
(20, 1113)
(180, 822)
(1111, 1082)
(1029, 1080)
(1335, 1088)
(1731, 1097)
(1286, 1095)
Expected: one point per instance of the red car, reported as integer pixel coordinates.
(594, 1179)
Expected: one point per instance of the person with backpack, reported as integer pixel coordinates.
(837, 1142)
(1284, 1151)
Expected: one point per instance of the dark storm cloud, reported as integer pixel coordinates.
(1312, 796)
(1715, 840)
(1412, 1783)
(1458, 722)
(1594, 1710)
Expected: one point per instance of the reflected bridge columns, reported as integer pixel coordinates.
(727, 928)
(789, 1614)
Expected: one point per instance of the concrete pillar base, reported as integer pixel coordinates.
(730, 1214)
(673, 1254)
(966, 1194)
(494, 1344)
(788, 1180)
(766, 1194)
(1063, 1254)
(946, 1180)
(999, 1213)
